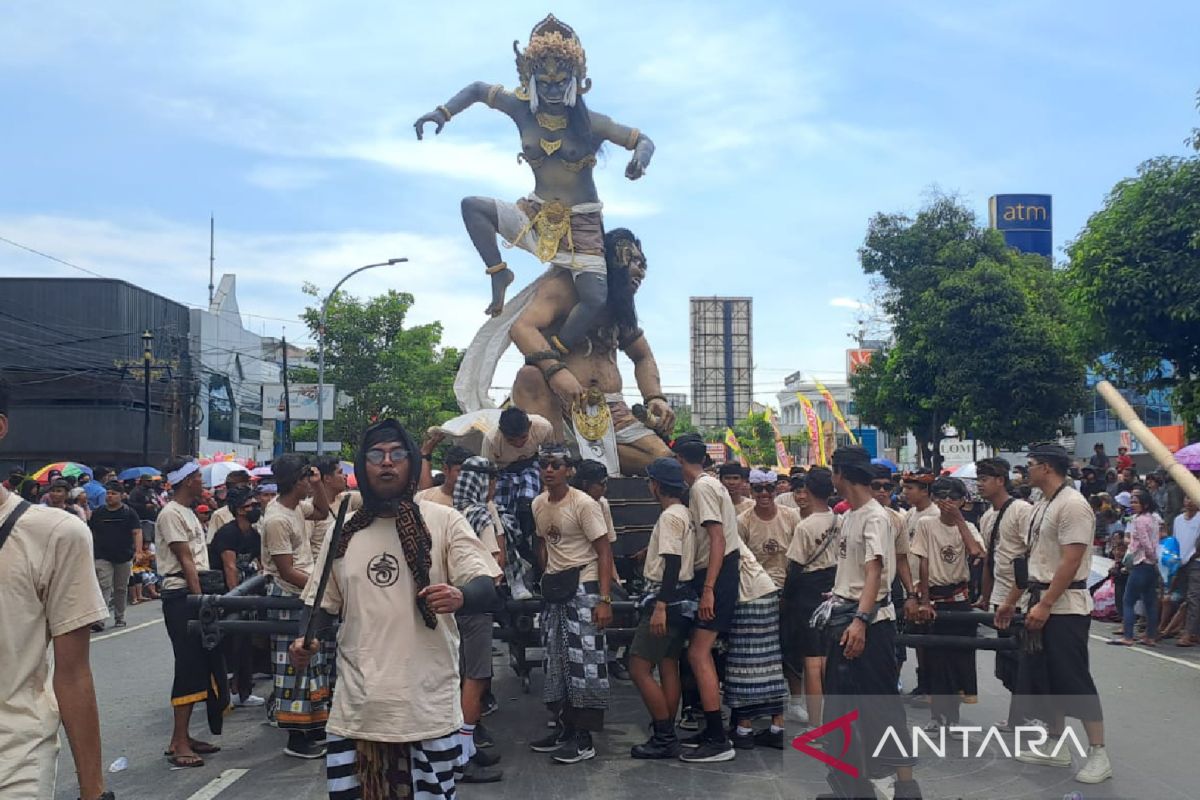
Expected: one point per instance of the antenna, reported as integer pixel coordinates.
(211, 232)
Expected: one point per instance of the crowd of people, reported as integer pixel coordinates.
(774, 596)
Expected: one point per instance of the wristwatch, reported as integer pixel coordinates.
(427, 456)
(863, 617)
(606, 598)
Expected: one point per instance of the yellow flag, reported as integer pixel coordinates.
(817, 441)
(731, 441)
(833, 409)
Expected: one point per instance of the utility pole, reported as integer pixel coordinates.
(211, 236)
(287, 403)
(147, 357)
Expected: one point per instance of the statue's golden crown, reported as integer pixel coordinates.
(552, 39)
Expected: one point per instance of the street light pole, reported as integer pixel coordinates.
(321, 349)
(147, 356)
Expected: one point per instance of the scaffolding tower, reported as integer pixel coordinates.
(722, 362)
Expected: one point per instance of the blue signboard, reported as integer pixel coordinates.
(1026, 220)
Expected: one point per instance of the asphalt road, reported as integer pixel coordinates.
(1151, 701)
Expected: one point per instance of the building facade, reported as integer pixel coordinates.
(721, 360)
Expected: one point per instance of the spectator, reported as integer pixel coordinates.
(1173, 506)
(51, 611)
(144, 580)
(1111, 484)
(57, 494)
(225, 553)
(1099, 458)
(116, 539)
(1155, 486)
(95, 487)
(1093, 482)
(144, 499)
(1143, 575)
(1124, 460)
(77, 502)
(1187, 531)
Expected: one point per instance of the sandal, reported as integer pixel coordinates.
(1185, 643)
(186, 761)
(1148, 643)
(1121, 642)
(198, 747)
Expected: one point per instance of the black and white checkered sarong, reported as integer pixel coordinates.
(576, 661)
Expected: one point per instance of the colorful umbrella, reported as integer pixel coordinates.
(69, 469)
(133, 473)
(1190, 457)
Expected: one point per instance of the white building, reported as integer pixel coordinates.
(232, 364)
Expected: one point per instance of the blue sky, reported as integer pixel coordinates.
(781, 128)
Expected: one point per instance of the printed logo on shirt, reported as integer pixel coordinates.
(383, 570)
(772, 547)
(949, 554)
(842, 547)
(553, 535)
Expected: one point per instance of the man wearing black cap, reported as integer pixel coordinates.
(733, 477)
(1003, 528)
(718, 558)
(402, 569)
(1061, 528)
(861, 633)
(117, 537)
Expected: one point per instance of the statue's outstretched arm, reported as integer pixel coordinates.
(630, 139)
(478, 92)
(649, 382)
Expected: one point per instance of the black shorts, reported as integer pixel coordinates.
(1061, 669)
(191, 659)
(725, 593)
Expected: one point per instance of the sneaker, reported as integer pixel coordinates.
(798, 712)
(906, 790)
(250, 701)
(689, 720)
(1063, 759)
(550, 743)
(742, 741)
(299, 746)
(617, 670)
(710, 752)
(1097, 769)
(695, 740)
(474, 773)
(316, 736)
(97, 627)
(662, 744)
(483, 739)
(768, 738)
(119, 623)
(490, 706)
(485, 759)
(575, 749)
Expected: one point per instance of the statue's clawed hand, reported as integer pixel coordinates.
(436, 117)
(636, 168)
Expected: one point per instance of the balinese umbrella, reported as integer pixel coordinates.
(133, 473)
(261, 472)
(215, 474)
(1189, 456)
(966, 471)
(69, 469)
(883, 462)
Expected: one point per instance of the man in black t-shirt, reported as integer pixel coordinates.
(116, 537)
(232, 549)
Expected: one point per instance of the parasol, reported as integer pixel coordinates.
(1190, 457)
(133, 473)
(215, 474)
(69, 469)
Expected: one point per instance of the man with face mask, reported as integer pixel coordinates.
(223, 554)
(401, 571)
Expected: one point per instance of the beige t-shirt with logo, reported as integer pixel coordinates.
(1009, 545)
(397, 679)
(673, 535)
(809, 537)
(497, 449)
(177, 523)
(942, 546)
(709, 501)
(743, 505)
(284, 533)
(753, 581)
(911, 518)
(47, 588)
(769, 540)
(866, 534)
(569, 527)
(1068, 519)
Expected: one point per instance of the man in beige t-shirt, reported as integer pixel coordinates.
(572, 538)
(181, 550)
(301, 698)
(733, 477)
(1061, 528)
(49, 596)
(396, 709)
(767, 528)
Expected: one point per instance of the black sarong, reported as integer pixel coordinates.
(802, 593)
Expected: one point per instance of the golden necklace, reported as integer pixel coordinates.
(551, 122)
(550, 148)
(591, 416)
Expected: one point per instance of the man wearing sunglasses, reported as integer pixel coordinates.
(905, 596)
(915, 490)
(573, 549)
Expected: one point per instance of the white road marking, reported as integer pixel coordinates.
(123, 631)
(1146, 651)
(218, 785)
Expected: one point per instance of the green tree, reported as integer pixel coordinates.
(386, 368)
(757, 439)
(981, 337)
(683, 422)
(1135, 273)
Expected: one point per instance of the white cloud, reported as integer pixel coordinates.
(285, 177)
(850, 303)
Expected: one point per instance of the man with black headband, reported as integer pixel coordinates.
(946, 545)
(574, 550)
(904, 586)
(861, 631)
(1003, 528)
(733, 478)
(915, 490)
(401, 571)
(1054, 661)
(716, 582)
